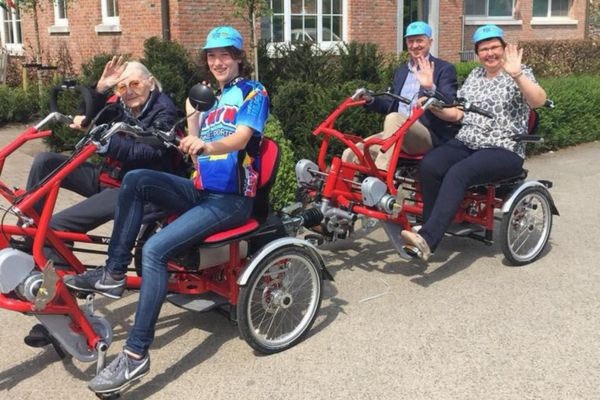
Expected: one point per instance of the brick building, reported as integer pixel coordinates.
(82, 28)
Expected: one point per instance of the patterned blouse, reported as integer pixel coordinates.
(502, 97)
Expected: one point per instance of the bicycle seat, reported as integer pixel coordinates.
(269, 161)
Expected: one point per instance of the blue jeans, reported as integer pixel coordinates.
(446, 173)
(201, 214)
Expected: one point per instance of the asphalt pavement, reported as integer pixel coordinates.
(465, 326)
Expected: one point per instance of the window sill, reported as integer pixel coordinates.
(553, 21)
(273, 48)
(492, 20)
(14, 49)
(102, 28)
(58, 29)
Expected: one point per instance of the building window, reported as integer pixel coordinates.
(550, 8)
(110, 12)
(110, 18)
(489, 8)
(61, 23)
(318, 21)
(60, 13)
(11, 35)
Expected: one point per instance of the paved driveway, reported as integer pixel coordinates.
(467, 326)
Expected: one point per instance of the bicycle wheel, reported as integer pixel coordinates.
(280, 302)
(526, 226)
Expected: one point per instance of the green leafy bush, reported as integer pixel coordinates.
(300, 61)
(561, 57)
(463, 69)
(301, 108)
(170, 63)
(575, 118)
(17, 104)
(92, 70)
(282, 193)
(360, 61)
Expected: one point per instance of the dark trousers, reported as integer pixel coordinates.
(446, 173)
(99, 205)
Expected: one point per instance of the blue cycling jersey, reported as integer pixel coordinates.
(242, 102)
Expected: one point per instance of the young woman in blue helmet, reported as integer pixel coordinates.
(226, 141)
(483, 150)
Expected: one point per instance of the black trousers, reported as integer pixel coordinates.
(99, 205)
(446, 173)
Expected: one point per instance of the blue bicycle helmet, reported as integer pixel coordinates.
(488, 32)
(224, 36)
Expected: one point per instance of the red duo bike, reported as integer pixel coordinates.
(335, 194)
(269, 283)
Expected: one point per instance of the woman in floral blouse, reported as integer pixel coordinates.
(484, 149)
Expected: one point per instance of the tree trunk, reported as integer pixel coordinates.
(254, 45)
(38, 48)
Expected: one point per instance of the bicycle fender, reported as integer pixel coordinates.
(508, 203)
(277, 244)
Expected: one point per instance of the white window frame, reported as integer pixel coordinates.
(110, 23)
(61, 25)
(325, 45)
(109, 19)
(58, 20)
(12, 48)
(549, 19)
(487, 19)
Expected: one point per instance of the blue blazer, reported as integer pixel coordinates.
(444, 78)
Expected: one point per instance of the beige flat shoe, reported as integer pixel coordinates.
(415, 246)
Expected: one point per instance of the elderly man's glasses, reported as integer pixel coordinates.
(133, 85)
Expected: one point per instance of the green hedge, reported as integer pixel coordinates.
(18, 105)
(561, 57)
(283, 191)
(575, 118)
(301, 107)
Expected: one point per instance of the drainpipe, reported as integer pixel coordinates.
(400, 25)
(434, 21)
(165, 20)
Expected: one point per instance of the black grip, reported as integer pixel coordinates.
(528, 138)
(401, 99)
(478, 110)
(85, 92)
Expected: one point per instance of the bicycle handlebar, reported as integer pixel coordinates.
(83, 90)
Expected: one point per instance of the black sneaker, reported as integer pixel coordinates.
(119, 374)
(97, 281)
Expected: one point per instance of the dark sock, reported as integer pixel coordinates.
(116, 276)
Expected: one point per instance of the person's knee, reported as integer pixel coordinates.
(134, 180)
(153, 252)
(428, 168)
(42, 160)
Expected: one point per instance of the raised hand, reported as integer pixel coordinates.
(511, 61)
(424, 72)
(111, 74)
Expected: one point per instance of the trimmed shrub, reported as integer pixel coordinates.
(282, 193)
(561, 57)
(575, 118)
(172, 66)
(301, 108)
(92, 70)
(17, 104)
(463, 69)
(360, 61)
(300, 62)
